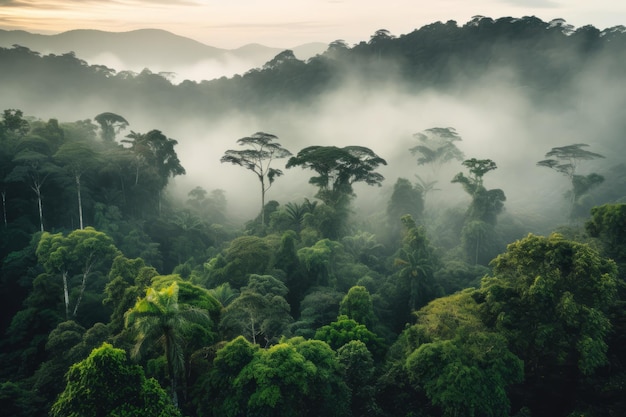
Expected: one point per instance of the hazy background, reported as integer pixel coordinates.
(286, 23)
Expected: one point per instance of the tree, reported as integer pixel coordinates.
(80, 252)
(155, 152)
(260, 311)
(128, 281)
(468, 375)
(33, 165)
(76, 158)
(158, 318)
(482, 214)
(262, 150)
(244, 255)
(359, 367)
(406, 199)
(436, 147)
(107, 384)
(338, 169)
(344, 330)
(416, 262)
(608, 223)
(566, 160)
(13, 124)
(550, 298)
(110, 124)
(295, 377)
(357, 305)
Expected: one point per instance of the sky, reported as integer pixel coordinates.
(287, 23)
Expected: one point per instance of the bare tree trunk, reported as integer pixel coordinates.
(82, 290)
(4, 208)
(80, 202)
(262, 201)
(40, 204)
(66, 295)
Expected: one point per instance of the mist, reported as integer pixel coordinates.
(495, 119)
(495, 115)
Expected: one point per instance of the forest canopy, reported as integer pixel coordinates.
(400, 278)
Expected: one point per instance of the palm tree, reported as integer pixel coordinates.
(159, 318)
(416, 262)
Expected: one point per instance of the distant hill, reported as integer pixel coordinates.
(155, 49)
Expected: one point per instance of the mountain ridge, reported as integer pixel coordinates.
(156, 49)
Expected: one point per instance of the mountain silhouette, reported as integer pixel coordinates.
(155, 49)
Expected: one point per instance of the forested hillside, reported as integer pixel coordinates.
(432, 224)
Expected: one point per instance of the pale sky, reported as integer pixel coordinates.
(288, 23)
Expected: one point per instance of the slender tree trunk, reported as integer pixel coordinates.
(80, 202)
(82, 290)
(66, 295)
(40, 205)
(262, 200)
(253, 330)
(4, 208)
(170, 368)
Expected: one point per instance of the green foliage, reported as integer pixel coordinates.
(344, 330)
(466, 376)
(81, 252)
(128, 280)
(244, 256)
(260, 312)
(318, 308)
(416, 262)
(295, 377)
(357, 305)
(608, 223)
(550, 298)
(158, 318)
(359, 376)
(89, 389)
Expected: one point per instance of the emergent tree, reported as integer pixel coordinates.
(565, 160)
(262, 150)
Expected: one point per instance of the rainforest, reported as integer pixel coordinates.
(431, 224)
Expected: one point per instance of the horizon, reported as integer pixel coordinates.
(283, 24)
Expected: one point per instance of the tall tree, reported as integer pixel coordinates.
(416, 263)
(80, 252)
(34, 166)
(76, 158)
(436, 147)
(338, 169)
(481, 217)
(158, 318)
(154, 153)
(110, 124)
(566, 160)
(262, 150)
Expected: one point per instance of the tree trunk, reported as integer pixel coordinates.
(4, 208)
(262, 200)
(37, 189)
(80, 202)
(82, 290)
(170, 369)
(66, 295)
